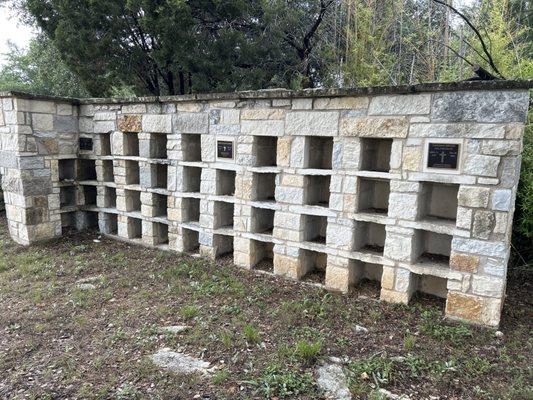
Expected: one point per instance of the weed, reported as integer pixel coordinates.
(409, 342)
(379, 369)
(432, 325)
(226, 338)
(189, 312)
(283, 383)
(251, 333)
(220, 376)
(308, 351)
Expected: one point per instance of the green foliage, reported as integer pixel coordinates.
(433, 325)
(280, 382)
(39, 69)
(189, 311)
(308, 351)
(251, 333)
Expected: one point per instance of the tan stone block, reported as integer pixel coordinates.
(338, 103)
(464, 306)
(412, 158)
(284, 151)
(287, 266)
(189, 106)
(129, 123)
(292, 180)
(350, 201)
(374, 127)
(242, 259)
(267, 113)
(387, 278)
(393, 296)
(464, 262)
(337, 278)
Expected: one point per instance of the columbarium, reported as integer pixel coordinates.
(411, 186)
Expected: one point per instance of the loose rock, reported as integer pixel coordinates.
(179, 362)
(331, 379)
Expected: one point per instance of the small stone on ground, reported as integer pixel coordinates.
(179, 362)
(393, 396)
(174, 329)
(86, 286)
(331, 379)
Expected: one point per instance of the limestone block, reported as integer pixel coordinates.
(501, 223)
(471, 196)
(104, 116)
(291, 195)
(338, 278)
(400, 104)
(387, 278)
(412, 158)
(464, 262)
(302, 104)
(392, 296)
(509, 171)
(484, 222)
(289, 267)
(297, 152)
(495, 266)
(398, 247)
(284, 151)
(514, 131)
(157, 123)
(393, 127)
(42, 122)
(194, 122)
(263, 127)
(487, 286)
(208, 145)
(340, 236)
(480, 106)
(312, 123)
(86, 125)
(225, 130)
(481, 165)
(501, 200)
(341, 103)
(479, 247)
(403, 206)
(262, 113)
(403, 281)
(130, 123)
(42, 106)
(104, 126)
(134, 108)
(457, 130)
(501, 147)
(229, 117)
(351, 153)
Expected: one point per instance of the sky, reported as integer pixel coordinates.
(11, 29)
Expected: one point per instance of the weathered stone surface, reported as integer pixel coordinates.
(130, 123)
(464, 262)
(487, 286)
(266, 113)
(263, 127)
(501, 200)
(482, 248)
(374, 127)
(400, 104)
(341, 103)
(501, 147)
(403, 206)
(191, 122)
(471, 196)
(332, 380)
(312, 123)
(479, 106)
(484, 222)
(464, 306)
(457, 130)
(157, 123)
(180, 363)
(43, 122)
(482, 165)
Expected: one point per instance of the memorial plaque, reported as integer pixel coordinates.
(86, 144)
(443, 155)
(225, 149)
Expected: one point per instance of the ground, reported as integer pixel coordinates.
(265, 336)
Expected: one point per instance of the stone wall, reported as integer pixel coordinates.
(328, 186)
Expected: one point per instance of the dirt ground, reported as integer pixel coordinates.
(265, 336)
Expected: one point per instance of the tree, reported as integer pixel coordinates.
(39, 69)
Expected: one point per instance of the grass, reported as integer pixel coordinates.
(265, 336)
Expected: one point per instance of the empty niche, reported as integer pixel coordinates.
(317, 190)
(109, 224)
(366, 277)
(90, 194)
(192, 147)
(191, 210)
(132, 172)
(375, 154)
(160, 233)
(262, 220)
(160, 205)
(133, 200)
(223, 215)
(314, 266)
(265, 151)
(432, 247)
(263, 253)
(223, 245)
(67, 170)
(158, 145)
(110, 197)
(86, 220)
(438, 201)
(430, 285)
(225, 182)
(314, 228)
(131, 144)
(86, 170)
(191, 242)
(264, 187)
(67, 196)
(105, 144)
(134, 226)
(108, 172)
(373, 195)
(68, 222)
(369, 237)
(318, 152)
(159, 175)
(192, 177)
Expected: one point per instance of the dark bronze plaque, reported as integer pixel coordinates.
(224, 149)
(86, 144)
(443, 155)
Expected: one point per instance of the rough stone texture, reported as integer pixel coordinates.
(180, 363)
(333, 382)
(357, 208)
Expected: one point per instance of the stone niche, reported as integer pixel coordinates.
(411, 188)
